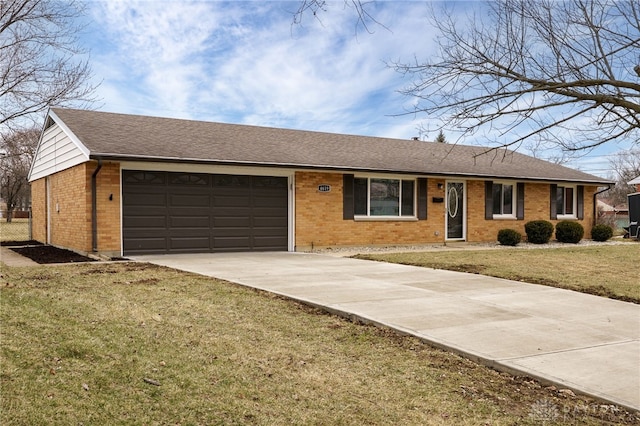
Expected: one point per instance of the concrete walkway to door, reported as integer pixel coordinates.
(586, 343)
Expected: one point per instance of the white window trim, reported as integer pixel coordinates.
(514, 201)
(369, 218)
(574, 215)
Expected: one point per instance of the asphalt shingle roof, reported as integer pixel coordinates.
(134, 137)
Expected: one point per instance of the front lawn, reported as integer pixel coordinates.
(130, 343)
(607, 270)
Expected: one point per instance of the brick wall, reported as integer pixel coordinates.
(536, 206)
(70, 208)
(319, 220)
(108, 207)
(39, 210)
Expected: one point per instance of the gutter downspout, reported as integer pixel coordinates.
(595, 205)
(94, 207)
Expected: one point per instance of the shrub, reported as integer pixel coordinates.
(509, 237)
(601, 232)
(569, 232)
(538, 231)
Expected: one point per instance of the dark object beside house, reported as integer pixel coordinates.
(634, 215)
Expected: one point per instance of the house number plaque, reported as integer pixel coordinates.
(324, 188)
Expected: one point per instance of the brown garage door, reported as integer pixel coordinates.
(168, 212)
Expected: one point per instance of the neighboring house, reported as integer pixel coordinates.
(615, 215)
(124, 185)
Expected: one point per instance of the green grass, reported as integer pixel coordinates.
(16, 230)
(78, 342)
(607, 270)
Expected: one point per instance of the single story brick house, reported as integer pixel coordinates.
(119, 185)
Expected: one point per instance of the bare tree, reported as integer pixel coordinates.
(565, 73)
(16, 153)
(40, 59)
(625, 166)
(559, 71)
(317, 7)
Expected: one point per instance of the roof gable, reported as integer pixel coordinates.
(58, 149)
(120, 136)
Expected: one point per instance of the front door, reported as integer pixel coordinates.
(455, 210)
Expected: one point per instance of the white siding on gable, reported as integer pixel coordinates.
(56, 152)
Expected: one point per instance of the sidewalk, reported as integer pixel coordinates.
(11, 258)
(578, 341)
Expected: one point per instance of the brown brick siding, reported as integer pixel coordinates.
(319, 221)
(39, 210)
(71, 208)
(536, 206)
(108, 185)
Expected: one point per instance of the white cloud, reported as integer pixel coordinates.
(245, 62)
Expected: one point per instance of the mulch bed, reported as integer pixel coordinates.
(49, 254)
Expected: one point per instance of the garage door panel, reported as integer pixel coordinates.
(199, 222)
(146, 199)
(189, 180)
(182, 212)
(268, 202)
(270, 222)
(268, 232)
(231, 222)
(191, 244)
(189, 200)
(269, 243)
(145, 245)
(231, 201)
(188, 211)
(268, 211)
(232, 242)
(231, 181)
(146, 222)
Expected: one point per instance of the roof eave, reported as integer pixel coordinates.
(151, 158)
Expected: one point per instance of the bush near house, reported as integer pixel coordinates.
(569, 232)
(601, 232)
(538, 231)
(509, 237)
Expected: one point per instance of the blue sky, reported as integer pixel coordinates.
(244, 62)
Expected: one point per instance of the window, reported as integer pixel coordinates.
(383, 197)
(565, 201)
(503, 200)
(503, 195)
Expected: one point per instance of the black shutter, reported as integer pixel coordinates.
(422, 198)
(553, 211)
(488, 200)
(580, 196)
(520, 201)
(347, 197)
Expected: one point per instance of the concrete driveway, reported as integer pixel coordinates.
(586, 343)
